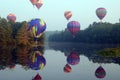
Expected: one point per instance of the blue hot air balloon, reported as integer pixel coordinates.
(36, 61)
(37, 26)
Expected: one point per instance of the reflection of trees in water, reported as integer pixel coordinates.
(9, 55)
(88, 50)
(6, 57)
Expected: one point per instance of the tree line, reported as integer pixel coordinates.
(16, 34)
(97, 32)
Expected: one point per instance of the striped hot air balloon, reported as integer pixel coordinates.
(73, 27)
(73, 58)
(100, 72)
(36, 61)
(68, 14)
(67, 68)
(37, 26)
(101, 12)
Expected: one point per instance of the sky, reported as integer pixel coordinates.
(52, 11)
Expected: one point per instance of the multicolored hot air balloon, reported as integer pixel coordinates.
(37, 26)
(68, 15)
(37, 77)
(11, 17)
(100, 72)
(73, 58)
(67, 68)
(101, 12)
(39, 4)
(36, 61)
(73, 27)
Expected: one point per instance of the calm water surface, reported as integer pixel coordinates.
(14, 63)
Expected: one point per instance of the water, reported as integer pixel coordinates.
(56, 58)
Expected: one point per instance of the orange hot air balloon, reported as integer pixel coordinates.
(34, 2)
(67, 68)
(68, 15)
(11, 17)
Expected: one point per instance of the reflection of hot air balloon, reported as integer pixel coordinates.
(37, 26)
(36, 61)
(100, 72)
(67, 68)
(11, 17)
(68, 14)
(101, 12)
(73, 58)
(73, 27)
(39, 4)
(37, 77)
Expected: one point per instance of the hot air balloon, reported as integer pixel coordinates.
(73, 27)
(33, 2)
(37, 26)
(39, 4)
(73, 58)
(36, 61)
(100, 72)
(101, 13)
(67, 68)
(11, 17)
(68, 15)
(37, 77)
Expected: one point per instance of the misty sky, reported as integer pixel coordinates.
(52, 11)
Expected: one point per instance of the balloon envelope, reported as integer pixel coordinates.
(36, 61)
(39, 4)
(67, 68)
(37, 26)
(33, 1)
(100, 72)
(101, 13)
(37, 77)
(11, 17)
(73, 58)
(73, 27)
(68, 15)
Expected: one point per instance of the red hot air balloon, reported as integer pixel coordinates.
(73, 27)
(100, 72)
(68, 15)
(11, 17)
(101, 13)
(67, 68)
(37, 77)
(39, 4)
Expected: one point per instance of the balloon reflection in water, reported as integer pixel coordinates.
(100, 72)
(67, 68)
(73, 58)
(37, 77)
(36, 61)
